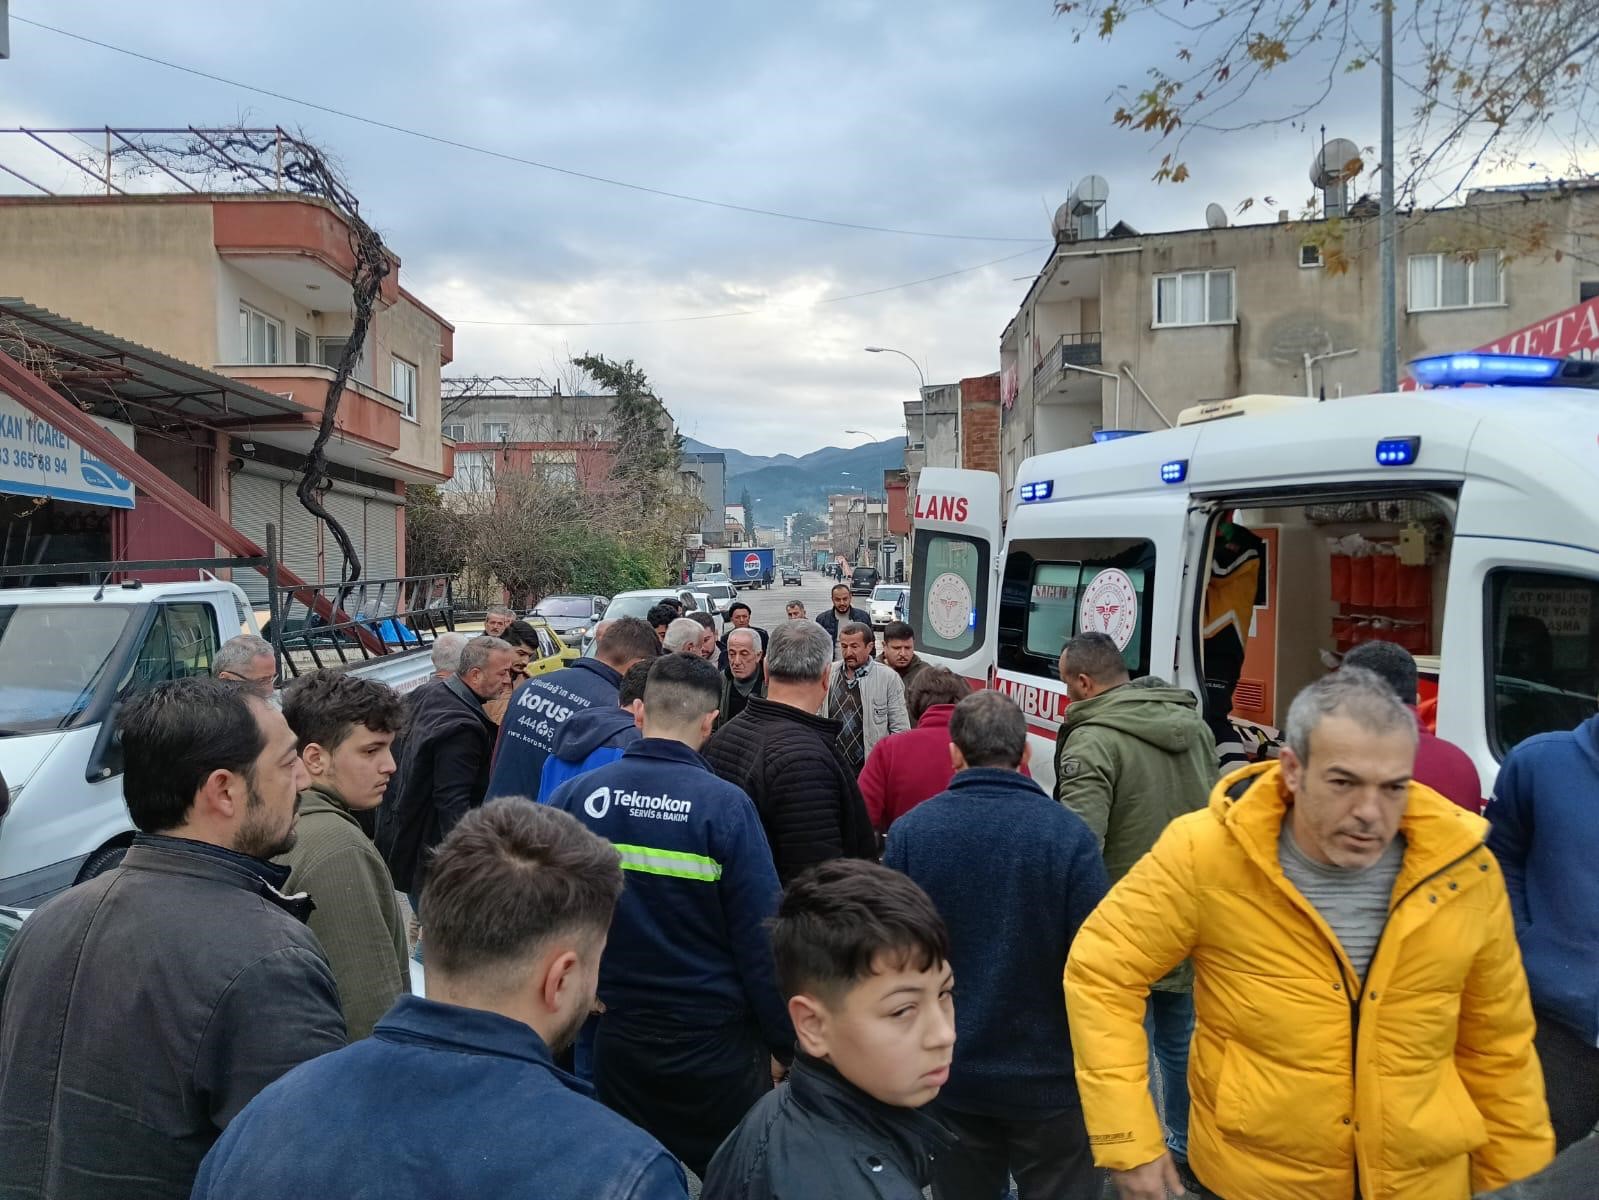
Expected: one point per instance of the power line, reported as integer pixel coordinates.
(749, 312)
(513, 158)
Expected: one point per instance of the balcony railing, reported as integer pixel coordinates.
(1070, 350)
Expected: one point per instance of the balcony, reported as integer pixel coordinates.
(1053, 378)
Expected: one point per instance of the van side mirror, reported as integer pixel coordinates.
(105, 758)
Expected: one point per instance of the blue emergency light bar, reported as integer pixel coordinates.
(1398, 451)
(1175, 471)
(1036, 491)
(1458, 370)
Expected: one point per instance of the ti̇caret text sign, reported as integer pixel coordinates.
(37, 459)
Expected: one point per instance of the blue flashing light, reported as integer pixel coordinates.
(1115, 435)
(1041, 490)
(1458, 370)
(1175, 471)
(1398, 451)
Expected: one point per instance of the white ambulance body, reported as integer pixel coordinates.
(1483, 500)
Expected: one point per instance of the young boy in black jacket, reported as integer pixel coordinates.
(863, 958)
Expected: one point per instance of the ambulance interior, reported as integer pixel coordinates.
(1336, 571)
(1299, 581)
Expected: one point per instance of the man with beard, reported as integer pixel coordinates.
(142, 1010)
(518, 904)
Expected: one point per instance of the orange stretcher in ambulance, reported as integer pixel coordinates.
(1240, 553)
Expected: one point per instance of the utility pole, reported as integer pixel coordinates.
(1387, 219)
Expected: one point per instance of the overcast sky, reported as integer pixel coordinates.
(969, 118)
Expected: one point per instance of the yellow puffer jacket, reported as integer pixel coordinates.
(1445, 1097)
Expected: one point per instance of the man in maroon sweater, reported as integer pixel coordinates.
(1442, 766)
(906, 768)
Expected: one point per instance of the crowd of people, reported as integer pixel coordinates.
(788, 910)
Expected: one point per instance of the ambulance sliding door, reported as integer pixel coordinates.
(955, 552)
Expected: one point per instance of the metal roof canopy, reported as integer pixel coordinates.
(120, 371)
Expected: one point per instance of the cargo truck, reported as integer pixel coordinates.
(751, 566)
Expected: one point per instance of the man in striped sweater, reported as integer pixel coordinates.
(346, 727)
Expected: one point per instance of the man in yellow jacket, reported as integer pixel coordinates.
(1362, 1021)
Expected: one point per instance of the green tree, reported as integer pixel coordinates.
(748, 505)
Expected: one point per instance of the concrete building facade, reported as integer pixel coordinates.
(1125, 331)
(709, 482)
(254, 287)
(524, 427)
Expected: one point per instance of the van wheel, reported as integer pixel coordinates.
(102, 860)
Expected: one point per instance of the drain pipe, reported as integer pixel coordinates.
(1155, 408)
(1117, 411)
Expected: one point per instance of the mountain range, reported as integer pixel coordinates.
(780, 484)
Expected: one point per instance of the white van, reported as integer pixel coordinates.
(1462, 522)
(68, 657)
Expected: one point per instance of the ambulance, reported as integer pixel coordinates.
(1243, 551)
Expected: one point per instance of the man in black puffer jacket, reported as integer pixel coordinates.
(841, 614)
(786, 758)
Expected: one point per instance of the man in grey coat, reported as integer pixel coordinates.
(142, 1010)
(865, 697)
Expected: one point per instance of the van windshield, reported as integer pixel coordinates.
(52, 659)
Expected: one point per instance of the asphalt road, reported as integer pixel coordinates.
(768, 605)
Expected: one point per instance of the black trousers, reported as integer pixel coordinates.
(1049, 1157)
(1570, 1080)
(687, 1087)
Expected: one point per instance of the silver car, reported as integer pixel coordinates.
(888, 603)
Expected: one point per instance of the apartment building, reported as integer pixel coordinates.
(525, 426)
(1125, 330)
(706, 473)
(253, 287)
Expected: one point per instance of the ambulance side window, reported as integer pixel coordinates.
(1543, 639)
(949, 604)
(1053, 590)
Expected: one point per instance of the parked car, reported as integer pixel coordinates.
(793, 575)
(720, 595)
(863, 580)
(888, 603)
(638, 604)
(555, 651)
(571, 616)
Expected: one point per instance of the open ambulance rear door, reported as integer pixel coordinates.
(955, 562)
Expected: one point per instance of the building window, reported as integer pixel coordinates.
(474, 471)
(455, 432)
(1310, 255)
(1443, 281)
(303, 353)
(260, 337)
(402, 386)
(1194, 298)
(496, 431)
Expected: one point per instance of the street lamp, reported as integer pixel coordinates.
(921, 392)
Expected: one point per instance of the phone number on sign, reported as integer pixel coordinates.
(32, 460)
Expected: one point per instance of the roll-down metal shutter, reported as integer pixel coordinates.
(381, 552)
(255, 504)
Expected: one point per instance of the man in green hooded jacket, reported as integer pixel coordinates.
(1131, 757)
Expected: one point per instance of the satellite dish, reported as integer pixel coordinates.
(1215, 216)
(1331, 165)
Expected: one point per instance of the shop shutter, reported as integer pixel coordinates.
(255, 504)
(348, 511)
(382, 556)
(299, 538)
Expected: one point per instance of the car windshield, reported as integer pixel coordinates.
(886, 593)
(631, 606)
(52, 658)
(564, 606)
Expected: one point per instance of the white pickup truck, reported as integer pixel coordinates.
(68, 657)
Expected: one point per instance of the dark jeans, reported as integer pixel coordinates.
(688, 1087)
(1570, 1080)
(1169, 1020)
(1048, 1156)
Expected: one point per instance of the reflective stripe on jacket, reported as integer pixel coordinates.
(1445, 1097)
